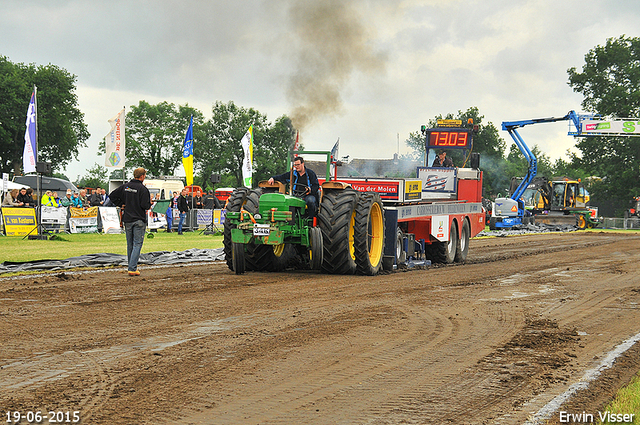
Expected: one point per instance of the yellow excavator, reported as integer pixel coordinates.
(557, 201)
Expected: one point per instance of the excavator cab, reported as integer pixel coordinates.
(568, 194)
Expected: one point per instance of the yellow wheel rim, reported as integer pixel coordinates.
(582, 223)
(376, 234)
(352, 224)
(278, 249)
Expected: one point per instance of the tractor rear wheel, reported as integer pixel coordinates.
(368, 234)
(262, 257)
(336, 220)
(234, 204)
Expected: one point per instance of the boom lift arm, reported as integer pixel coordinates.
(512, 128)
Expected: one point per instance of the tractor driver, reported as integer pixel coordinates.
(305, 184)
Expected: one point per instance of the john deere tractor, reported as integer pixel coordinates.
(264, 230)
(268, 230)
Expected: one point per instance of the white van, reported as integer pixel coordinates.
(165, 187)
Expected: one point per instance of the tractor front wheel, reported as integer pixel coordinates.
(235, 203)
(316, 251)
(238, 258)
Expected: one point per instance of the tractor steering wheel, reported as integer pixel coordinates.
(300, 190)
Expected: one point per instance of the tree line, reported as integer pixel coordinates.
(609, 81)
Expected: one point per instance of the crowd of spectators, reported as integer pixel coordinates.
(24, 197)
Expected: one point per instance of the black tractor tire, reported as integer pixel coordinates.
(234, 204)
(401, 254)
(445, 252)
(368, 234)
(492, 223)
(269, 258)
(336, 220)
(238, 258)
(462, 249)
(316, 253)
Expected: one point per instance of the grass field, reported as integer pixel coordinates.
(627, 401)
(16, 249)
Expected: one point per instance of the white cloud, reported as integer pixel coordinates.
(508, 58)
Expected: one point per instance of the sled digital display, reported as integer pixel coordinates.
(449, 138)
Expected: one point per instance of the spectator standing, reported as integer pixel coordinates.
(67, 201)
(25, 198)
(11, 199)
(135, 198)
(77, 202)
(183, 207)
(198, 200)
(56, 198)
(83, 197)
(48, 200)
(96, 199)
(210, 201)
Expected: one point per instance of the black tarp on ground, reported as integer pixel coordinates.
(106, 259)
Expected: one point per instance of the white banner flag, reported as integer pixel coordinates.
(114, 142)
(247, 164)
(30, 145)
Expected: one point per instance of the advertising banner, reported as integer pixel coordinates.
(620, 127)
(437, 179)
(83, 221)
(114, 142)
(110, 219)
(19, 221)
(54, 215)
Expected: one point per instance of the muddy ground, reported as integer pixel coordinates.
(487, 342)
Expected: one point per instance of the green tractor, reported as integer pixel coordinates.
(267, 230)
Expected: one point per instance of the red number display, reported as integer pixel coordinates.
(449, 139)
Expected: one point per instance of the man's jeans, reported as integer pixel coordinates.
(135, 238)
(183, 215)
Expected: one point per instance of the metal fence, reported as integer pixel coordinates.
(621, 223)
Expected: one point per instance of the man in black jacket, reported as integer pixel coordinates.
(135, 198)
(183, 207)
(96, 200)
(442, 160)
(305, 184)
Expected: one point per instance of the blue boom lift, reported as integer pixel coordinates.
(508, 212)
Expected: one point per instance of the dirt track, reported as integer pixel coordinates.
(490, 341)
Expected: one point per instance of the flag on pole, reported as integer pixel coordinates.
(114, 142)
(334, 150)
(30, 145)
(296, 145)
(187, 153)
(247, 164)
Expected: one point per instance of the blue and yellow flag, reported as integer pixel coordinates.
(187, 154)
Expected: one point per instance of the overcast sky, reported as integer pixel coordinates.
(366, 71)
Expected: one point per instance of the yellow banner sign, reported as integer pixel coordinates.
(449, 123)
(19, 221)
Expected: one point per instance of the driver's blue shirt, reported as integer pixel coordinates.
(311, 180)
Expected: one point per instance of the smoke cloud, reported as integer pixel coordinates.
(333, 41)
